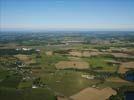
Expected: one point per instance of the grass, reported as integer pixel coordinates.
(39, 94)
(3, 74)
(11, 81)
(99, 63)
(48, 62)
(26, 94)
(114, 84)
(10, 93)
(66, 82)
(25, 84)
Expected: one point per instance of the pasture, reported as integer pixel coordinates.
(66, 82)
(99, 63)
(26, 94)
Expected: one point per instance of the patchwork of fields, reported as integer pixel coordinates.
(58, 71)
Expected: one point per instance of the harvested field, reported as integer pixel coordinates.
(125, 67)
(75, 58)
(62, 98)
(88, 54)
(94, 94)
(76, 53)
(25, 58)
(121, 55)
(84, 53)
(49, 53)
(7, 59)
(72, 64)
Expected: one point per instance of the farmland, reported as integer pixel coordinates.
(72, 64)
(94, 94)
(67, 67)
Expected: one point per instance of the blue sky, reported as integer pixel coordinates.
(67, 14)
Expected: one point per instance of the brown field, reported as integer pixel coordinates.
(62, 98)
(76, 53)
(84, 53)
(123, 55)
(94, 94)
(72, 64)
(125, 67)
(25, 58)
(49, 53)
(7, 58)
(75, 58)
(88, 54)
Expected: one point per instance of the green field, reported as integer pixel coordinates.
(3, 74)
(66, 82)
(25, 84)
(11, 81)
(114, 84)
(48, 62)
(99, 63)
(26, 94)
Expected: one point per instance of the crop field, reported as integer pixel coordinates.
(3, 74)
(84, 53)
(122, 55)
(66, 82)
(72, 64)
(89, 54)
(115, 84)
(26, 94)
(25, 84)
(6, 61)
(116, 79)
(48, 62)
(60, 66)
(76, 53)
(94, 94)
(27, 59)
(49, 53)
(74, 58)
(125, 67)
(99, 63)
(12, 81)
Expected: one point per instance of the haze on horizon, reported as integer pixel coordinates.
(67, 15)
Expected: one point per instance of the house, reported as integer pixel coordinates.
(26, 49)
(88, 76)
(38, 50)
(34, 86)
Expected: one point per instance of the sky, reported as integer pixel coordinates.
(67, 14)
